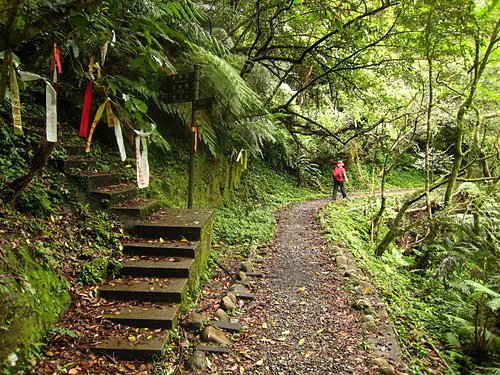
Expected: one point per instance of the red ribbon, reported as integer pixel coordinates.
(57, 59)
(194, 130)
(87, 101)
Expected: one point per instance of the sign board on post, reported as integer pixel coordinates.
(204, 103)
(179, 88)
(181, 97)
(182, 88)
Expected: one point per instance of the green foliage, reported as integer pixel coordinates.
(98, 269)
(13, 160)
(418, 298)
(33, 297)
(248, 218)
(409, 178)
(439, 161)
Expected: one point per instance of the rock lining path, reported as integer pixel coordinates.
(302, 321)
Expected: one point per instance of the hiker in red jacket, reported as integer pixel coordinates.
(339, 179)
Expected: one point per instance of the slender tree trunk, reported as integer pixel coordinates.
(383, 200)
(395, 228)
(427, 166)
(38, 163)
(478, 69)
(7, 61)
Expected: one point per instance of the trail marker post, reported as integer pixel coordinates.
(181, 88)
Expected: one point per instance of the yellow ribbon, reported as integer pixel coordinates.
(16, 101)
(110, 116)
(97, 117)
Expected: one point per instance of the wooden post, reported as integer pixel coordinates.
(194, 135)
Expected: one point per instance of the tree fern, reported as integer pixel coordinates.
(183, 10)
(233, 94)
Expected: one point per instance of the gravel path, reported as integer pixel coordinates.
(302, 321)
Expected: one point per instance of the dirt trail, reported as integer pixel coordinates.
(302, 321)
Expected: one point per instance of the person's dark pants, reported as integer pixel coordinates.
(336, 186)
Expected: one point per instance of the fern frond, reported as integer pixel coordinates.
(182, 10)
(136, 86)
(209, 138)
(232, 93)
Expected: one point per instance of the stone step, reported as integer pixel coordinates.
(143, 348)
(244, 295)
(174, 224)
(254, 274)
(75, 162)
(73, 149)
(113, 194)
(137, 207)
(185, 249)
(212, 349)
(153, 290)
(159, 316)
(91, 180)
(226, 326)
(180, 267)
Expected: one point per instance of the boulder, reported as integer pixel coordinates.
(242, 276)
(227, 304)
(247, 266)
(341, 260)
(368, 318)
(221, 315)
(193, 322)
(382, 366)
(252, 253)
(370, 327)
(237, 288)
(197, 361)
(216, 335)
(362, 304)
(232, 296)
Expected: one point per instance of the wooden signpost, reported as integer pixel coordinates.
(182, 88)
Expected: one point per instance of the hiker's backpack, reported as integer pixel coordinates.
(338, 174)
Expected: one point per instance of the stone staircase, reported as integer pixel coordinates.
(161, 263)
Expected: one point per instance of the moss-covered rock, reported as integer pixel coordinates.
(33, 298)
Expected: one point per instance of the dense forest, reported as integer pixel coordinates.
(405, 92)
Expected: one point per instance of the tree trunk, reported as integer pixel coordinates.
(395, 228)
(38, 162)
(477, 69)
(428, 133)
(378, 217)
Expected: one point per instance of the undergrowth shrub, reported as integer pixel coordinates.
(248, 217)
(452, 304)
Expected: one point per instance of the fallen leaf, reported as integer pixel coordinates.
(260, 362)
(302, 341)
(264, 325)
(320, 330)
(287, 332)
(301, 289)
(132, 338)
